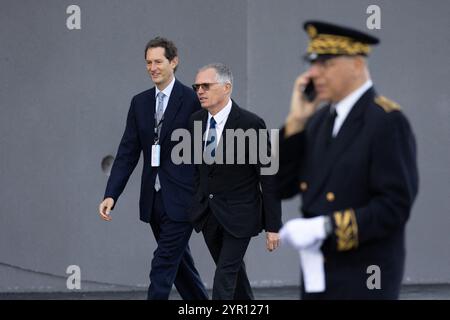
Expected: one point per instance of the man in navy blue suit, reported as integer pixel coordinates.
(166, 188)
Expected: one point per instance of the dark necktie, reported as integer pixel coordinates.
(211, 141)
(331, 116)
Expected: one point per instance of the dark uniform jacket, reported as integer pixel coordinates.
(366, 180)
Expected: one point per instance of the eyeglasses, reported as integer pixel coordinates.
(204, 86)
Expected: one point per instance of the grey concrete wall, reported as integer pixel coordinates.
(64, 97)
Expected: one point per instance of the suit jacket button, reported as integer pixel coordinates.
(303, 186)
(330, 197)
(211, 196)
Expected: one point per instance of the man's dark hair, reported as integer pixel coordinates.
(170, 50)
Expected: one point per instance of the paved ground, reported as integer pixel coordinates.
(410, 292)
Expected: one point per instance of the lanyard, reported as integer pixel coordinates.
(158, 128)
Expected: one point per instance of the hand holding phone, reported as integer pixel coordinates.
(303, 104)
(310, 91)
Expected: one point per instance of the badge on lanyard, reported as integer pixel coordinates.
(156, 148)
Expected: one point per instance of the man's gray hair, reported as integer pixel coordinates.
(224, 74)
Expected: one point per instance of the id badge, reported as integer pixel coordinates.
(156, 148)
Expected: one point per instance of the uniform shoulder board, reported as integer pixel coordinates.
(387, 104)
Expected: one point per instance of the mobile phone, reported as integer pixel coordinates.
(310, 92)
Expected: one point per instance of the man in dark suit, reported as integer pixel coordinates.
(354, 163)
(234, 201)
(166, 188)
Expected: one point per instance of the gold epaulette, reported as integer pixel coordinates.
(387, 104)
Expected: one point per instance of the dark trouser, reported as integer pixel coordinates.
(172, 261)
(230, 278)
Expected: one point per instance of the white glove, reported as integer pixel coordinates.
(313, 270)
(302, 233)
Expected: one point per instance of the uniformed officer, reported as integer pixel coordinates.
(354, 163)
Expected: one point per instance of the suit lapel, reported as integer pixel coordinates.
(172, 109)
(321, 148)
(204, 124)
(231, 123)
(204, 119)
(326, 156)
(150, 114)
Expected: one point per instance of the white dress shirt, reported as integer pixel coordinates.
(344, 106)
(167, 91)
(221, 118)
